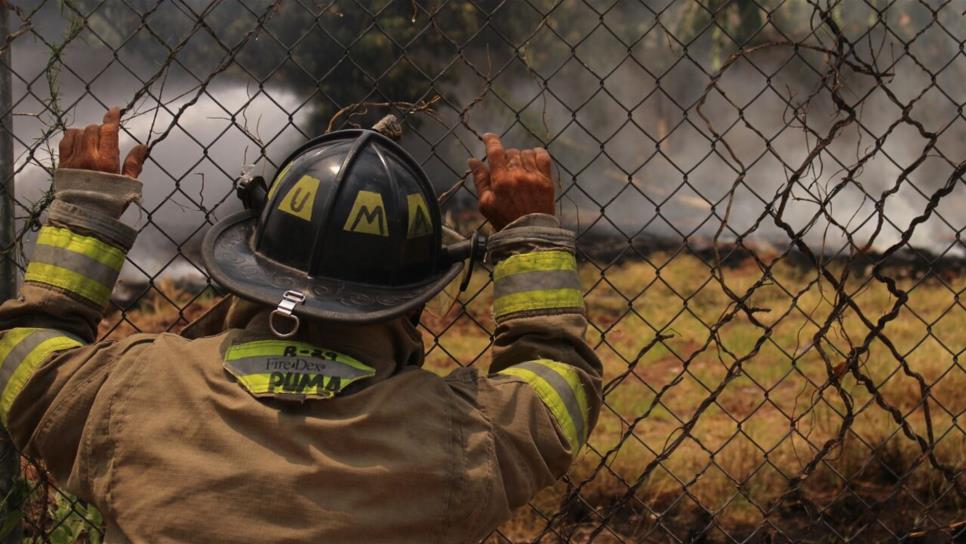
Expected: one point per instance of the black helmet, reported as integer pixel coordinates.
(349, 231)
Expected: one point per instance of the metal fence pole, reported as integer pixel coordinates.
(9, 458)
(8, 267)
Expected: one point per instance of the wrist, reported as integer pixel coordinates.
(98, 192)
(532, 232)
(89, 222)
(81, 248)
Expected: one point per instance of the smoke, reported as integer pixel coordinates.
(634, 157)
(188, 180)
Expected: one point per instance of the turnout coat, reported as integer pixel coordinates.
(226, 433)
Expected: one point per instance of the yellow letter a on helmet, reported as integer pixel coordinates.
(419, 222)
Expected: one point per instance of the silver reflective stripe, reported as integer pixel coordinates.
(535, 280)
(562, 387)
(22, 350)
(78, 262)
(328, 367)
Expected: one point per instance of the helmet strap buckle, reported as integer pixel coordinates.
(477, 252)
(284, 311)
(252, 190)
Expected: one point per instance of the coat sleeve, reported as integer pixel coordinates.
(50, 368)
(541, 397)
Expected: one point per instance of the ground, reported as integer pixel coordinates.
(755, 449)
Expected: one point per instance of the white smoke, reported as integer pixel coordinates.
(189, 172)
(617, 178)
(601, 130)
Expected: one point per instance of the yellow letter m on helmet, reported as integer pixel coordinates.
(368, 215)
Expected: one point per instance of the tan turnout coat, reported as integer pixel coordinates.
(160, 432)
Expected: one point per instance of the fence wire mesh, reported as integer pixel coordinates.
(767, 194)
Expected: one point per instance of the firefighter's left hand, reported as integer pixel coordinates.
(96, 148)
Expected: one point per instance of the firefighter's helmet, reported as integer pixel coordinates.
(349, 230)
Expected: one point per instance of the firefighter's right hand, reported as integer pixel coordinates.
(96, 148)
(517, 182)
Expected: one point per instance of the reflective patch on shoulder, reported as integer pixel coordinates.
(292, 370)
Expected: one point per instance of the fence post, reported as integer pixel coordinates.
(9, 458)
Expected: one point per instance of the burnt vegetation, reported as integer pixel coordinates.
(767, 196)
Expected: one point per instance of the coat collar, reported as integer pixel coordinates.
(388, 346)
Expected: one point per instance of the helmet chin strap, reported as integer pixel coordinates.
(416, 315)
(284, 312)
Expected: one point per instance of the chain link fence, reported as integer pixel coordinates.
(768, 198)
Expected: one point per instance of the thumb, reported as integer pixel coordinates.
(481, 176)
(134, 161)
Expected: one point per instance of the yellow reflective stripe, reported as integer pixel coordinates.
(277, 348)
(572, 377)
(26, 368)
(11, 339)
(80, 264)
(542, 299)
(539, 280)
(262, 348)
(102, 252)
(552, 400)
(256, 383)
(533, 261)
(68, 280)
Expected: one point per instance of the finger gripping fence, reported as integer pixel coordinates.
(767, 196)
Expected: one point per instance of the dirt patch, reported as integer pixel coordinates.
(864, 513)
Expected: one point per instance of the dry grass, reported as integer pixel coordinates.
(767, 423)
(726, 478)
(164, 307)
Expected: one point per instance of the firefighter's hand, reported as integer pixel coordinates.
(96, 148)
(517, 182)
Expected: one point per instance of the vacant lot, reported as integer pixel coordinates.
(734, 425)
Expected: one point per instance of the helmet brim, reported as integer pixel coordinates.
(232, 262)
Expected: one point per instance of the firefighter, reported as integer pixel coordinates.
(295, 410)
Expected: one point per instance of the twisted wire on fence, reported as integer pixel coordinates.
(767, 196)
